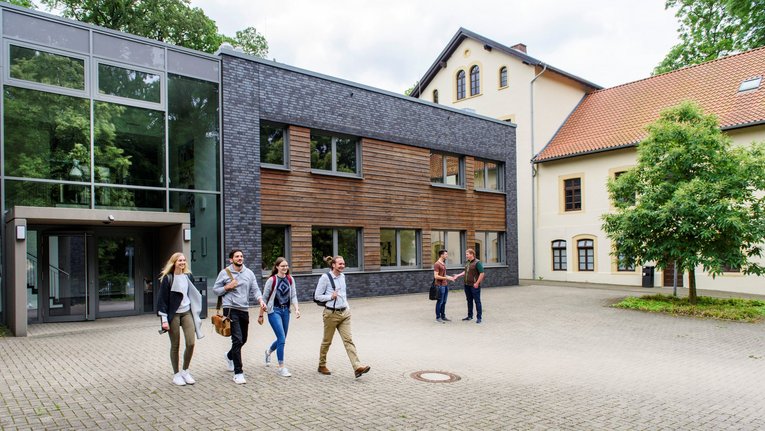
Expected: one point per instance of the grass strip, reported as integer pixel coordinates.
(736, 309)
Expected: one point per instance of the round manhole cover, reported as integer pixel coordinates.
(435, 376)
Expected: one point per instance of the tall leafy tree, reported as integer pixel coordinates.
(171, 21)
(710, 29)
(692, 199)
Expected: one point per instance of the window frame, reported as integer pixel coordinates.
(435, 96)
(475, 80)
(418, 249)
(359, 247)
(460, 85)
(559, 249)
(462, 246)
(503, 77)
(334, 137)
(501, 261)
(562, 190)
(500, 176)
(97, 95)
(286, 147)
(589, 264)
(287, 248)
(32, 85)
(461, 161)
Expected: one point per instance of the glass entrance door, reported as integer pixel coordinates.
(64, 276)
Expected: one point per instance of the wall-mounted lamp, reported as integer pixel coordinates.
(187, 234)
(21, 232)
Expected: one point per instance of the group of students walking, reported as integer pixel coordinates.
(179, 305)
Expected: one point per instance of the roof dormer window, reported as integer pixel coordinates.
(750, 84)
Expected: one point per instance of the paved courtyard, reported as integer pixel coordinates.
(545, 357)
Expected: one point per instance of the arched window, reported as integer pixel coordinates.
(475, 80)
(435, 96)
(586, 251)
(560, 260)
(503, 76)
(461, 85)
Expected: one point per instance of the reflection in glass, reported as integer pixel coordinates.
(129, 146)
(133, 84)
(321, 246)
(479, 175)
(451, 241)
(130, 199)
(47, 68)
(116, 282)
(274, 245)
(493, 176)
(331, 153)
(272, 144)
(348, 246)
(321, 152)
(34, 194)
(33, 281)
(453, 171)
(346, 155)
(408, 246)
(45, 134)
(193, 133)
(67, 275)
(436, 168)
(398, 248)
(205, 239)
(388, 247)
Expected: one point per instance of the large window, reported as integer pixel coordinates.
(398, 248)
(129, 83)
(273, 145)
(451, 241)
(503, 76)
(559, 258)
(274, 240)
(488, 175)
(572, 192)
(586, 251)
(335, 154)
(489, 247)
(46, 68)
(194, 142)
(328, 241)
(460, 84)
(446, 169)
(475, 80)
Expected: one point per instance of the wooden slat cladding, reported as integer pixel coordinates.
(395, 192)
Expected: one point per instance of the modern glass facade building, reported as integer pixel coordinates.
(123, 129)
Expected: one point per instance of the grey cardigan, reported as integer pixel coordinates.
(267, 292)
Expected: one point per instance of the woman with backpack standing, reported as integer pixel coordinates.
(281, 293)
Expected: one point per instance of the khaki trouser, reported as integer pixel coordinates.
(185, 321)
(340, 320)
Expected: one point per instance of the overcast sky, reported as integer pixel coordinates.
(389, 44)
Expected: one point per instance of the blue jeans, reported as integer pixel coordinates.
(472, 294)
(280, 323)
(443, 293)
(240, 321)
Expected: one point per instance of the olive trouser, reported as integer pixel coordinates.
(186, 321)
(340, 320)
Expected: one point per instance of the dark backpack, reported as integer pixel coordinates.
(332, 282)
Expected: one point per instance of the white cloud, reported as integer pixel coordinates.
(390, 44)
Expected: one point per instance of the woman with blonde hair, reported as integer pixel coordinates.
(178, 305)
(280, 293)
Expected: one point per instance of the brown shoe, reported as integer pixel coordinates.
(362, 370)
(324, 370)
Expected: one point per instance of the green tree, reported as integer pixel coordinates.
(692, 199)
(171, 21)
(710, 29)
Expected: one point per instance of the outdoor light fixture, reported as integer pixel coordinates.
(187, 234)
(21, 232)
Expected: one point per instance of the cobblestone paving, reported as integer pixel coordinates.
(545, 357)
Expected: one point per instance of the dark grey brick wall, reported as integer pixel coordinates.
(255, 90)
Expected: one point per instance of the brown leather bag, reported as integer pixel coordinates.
(221, 322)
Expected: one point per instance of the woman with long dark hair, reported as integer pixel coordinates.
(280, 294)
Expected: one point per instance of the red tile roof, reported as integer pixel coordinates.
(616, 117)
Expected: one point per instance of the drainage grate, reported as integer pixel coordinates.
(435, 376)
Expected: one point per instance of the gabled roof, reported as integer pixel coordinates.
(617, 117)
(463, 34)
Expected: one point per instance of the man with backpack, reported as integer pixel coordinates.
(441, 280)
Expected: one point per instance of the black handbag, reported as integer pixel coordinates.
(433, 295)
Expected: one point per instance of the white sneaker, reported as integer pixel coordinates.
(229, 362)
(187, 377)
(178, 380)
(239, 379)
(268, 357)
(284, 372)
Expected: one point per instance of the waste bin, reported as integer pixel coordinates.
(201, 284)
(647, 276)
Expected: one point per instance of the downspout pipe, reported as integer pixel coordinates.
(533, 185)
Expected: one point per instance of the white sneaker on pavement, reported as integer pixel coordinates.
(186, 375)
(268, 357)
(239, 379)
(178, 380)
(284, 372)
(229, 362)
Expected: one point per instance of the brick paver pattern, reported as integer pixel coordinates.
(545, 357)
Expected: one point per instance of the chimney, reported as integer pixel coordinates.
(519, 47)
